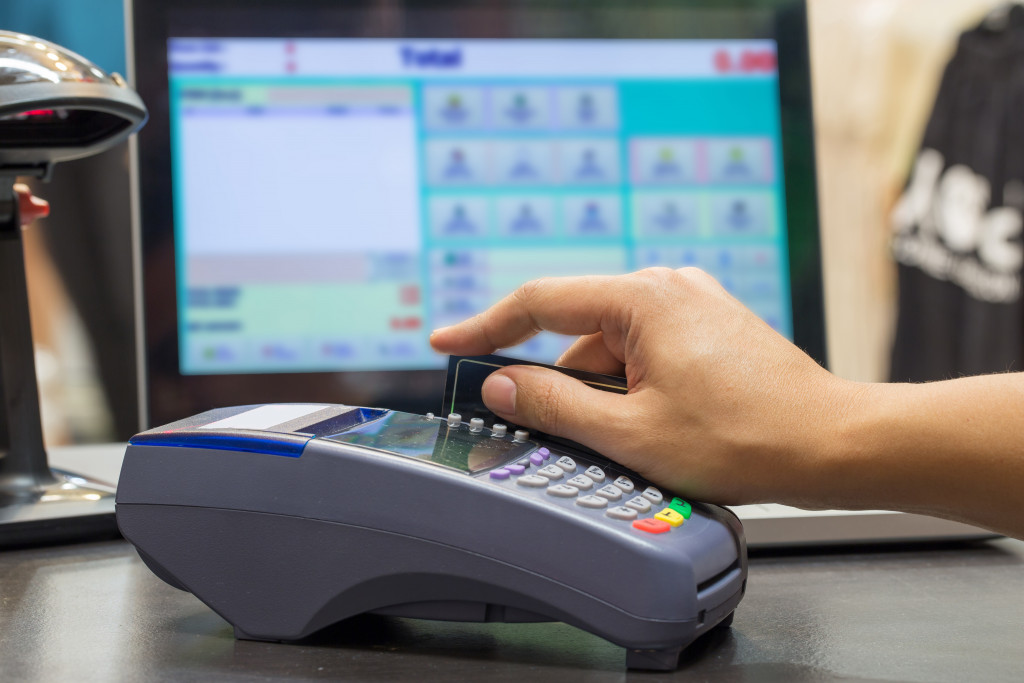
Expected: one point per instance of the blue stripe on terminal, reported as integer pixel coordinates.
(287, 445)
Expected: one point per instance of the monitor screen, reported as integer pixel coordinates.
(322, 185)
(338, 199)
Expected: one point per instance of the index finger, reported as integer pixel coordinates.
(567, 305)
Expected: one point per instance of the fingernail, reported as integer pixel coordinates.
(499, 393)
(438, 330)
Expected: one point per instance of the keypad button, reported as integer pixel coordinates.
(671, 516)
(544, 452)
(595, 473)
(537, 459)
(534, 481)
(652, 494)
(682, 507)
(566, 463)
(498, 431)
(515, 469)
(639, 504)
(581, 482)
(596, 502)
(622, 512)
(609, 492)
(525, 462)
(652, 526)
(625, 484)
(500, 474)
(563, 491)
(551, 472)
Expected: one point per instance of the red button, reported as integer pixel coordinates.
(652, 526)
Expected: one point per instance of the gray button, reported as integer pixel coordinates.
(596, 502)
(499, 430)
(639, 504)
(595, 473)
(521, 435)
(581, 482)
(534, 481)
(563, 491)
(625, 484)
(566, 463)
(652, 494)
(621, 512)
(551, 472)
(476, 425)
(525, 462)
(609, 492)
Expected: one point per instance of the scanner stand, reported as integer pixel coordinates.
(37, 504)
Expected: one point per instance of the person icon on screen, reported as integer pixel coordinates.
(736, 166)
(592, 221)
(522, 168)
(520, 111)
(666, 165)
(454, 109)
(457, 168)
(586, 109)
(589, 168)
(739, 217)
(525, 220)
(459, 222)
(669, 218)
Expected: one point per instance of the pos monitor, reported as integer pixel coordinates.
(323, 183)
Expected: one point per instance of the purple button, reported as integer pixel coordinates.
(500, 474)
(537, 458)
(544, 453)
(515, 469)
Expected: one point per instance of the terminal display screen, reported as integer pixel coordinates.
(415, 436)
(337, 199)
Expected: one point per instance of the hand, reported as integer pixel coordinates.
(720, 406)
(29, 207)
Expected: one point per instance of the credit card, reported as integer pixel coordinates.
(466, 375)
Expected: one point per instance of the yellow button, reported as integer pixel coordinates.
(671, 516)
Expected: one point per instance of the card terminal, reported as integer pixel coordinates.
(287, 518)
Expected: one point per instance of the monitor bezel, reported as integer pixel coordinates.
(167, 395)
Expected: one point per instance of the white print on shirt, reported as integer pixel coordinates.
(958, 237)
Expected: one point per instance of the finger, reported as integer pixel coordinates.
(549, 401)
(591, 353)
(569, 305)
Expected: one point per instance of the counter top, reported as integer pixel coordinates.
(94, 612)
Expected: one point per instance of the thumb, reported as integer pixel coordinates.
(557, 404)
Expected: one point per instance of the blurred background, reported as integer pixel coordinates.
(876, 65)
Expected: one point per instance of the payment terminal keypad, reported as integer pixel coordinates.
(586, 486)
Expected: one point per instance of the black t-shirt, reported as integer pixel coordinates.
(958, 226)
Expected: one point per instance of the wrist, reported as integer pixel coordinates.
(872, 462)
(839, 439)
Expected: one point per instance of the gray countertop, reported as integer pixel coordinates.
(94, 612)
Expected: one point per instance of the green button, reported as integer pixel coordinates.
(682, 507)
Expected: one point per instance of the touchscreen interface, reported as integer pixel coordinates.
(337, 199)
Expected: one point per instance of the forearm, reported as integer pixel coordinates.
(953, 449)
